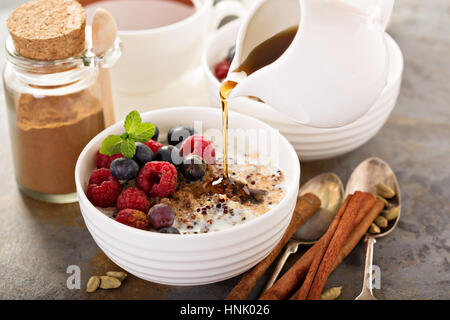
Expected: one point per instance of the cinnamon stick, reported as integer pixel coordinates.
(346, 225)
(368, 205)
(322, 247)
(297, 273)
(303, 292)
(304, 208)
(291, 278)
(359, 232)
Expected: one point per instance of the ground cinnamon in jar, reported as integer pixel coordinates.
(51, 132)
(53, 96)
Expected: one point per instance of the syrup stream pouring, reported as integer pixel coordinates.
(329, 189)
(364, 178)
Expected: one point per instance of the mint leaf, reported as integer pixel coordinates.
(111, 145)
(135, 131)
(128, 148)
(144, 132)
(132, 121)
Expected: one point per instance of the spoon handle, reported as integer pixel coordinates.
(366, 293)
(291, 248)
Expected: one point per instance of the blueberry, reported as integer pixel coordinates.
(143, 154)
(156, 134)
(231, 53)
(169, 230)
(178, 134)
(169, 154)
(161, 216)
(124, 169)
(193, 168)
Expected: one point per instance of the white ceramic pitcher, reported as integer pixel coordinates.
(334, 69)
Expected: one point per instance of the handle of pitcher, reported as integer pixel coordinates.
(224, 9)
(383, 13)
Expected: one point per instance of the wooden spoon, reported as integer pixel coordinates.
(104, 33)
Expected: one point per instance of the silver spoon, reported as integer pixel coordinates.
(364, 178)
(329, 189)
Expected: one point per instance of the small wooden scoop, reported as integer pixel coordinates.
(104, 33)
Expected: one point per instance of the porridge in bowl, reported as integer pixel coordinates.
(179, 188)
(202, 207)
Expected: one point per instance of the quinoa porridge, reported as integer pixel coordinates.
(200, 209)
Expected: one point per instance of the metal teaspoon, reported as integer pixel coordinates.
(364, 178)
(330, 190)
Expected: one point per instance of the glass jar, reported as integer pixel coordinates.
(54, 109)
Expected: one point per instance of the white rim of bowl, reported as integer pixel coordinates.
(303, 130)
(328, 137)
(369, 132)
(387, 107)
(344, 148)
(103, 242)
(273, 117)
(96, 230)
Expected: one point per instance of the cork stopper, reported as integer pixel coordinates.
(48, 29)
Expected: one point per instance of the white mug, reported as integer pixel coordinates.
(153, 58)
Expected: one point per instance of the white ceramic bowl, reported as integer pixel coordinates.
(190, 259)
(309, 142)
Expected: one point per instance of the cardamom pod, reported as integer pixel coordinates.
(93, 284)
(381, 222)
(117, 274)
(384, 191)
(386, 203)
(107, 282)
(374, 229)
(331, 294)
(392, 213)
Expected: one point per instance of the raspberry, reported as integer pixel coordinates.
(158, 179)
(133, 218)
(221, 69)
(153, 145)
(104, 161)
(199, 146)
(103, 188)
(133, 198)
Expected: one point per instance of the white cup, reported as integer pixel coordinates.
(153, 58)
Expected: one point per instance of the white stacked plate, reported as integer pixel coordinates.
(310, 143)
